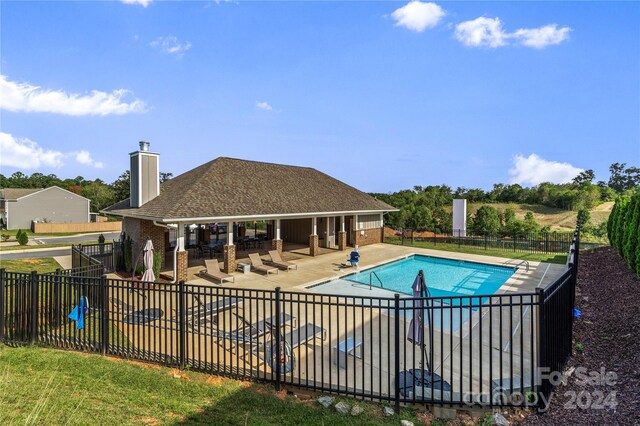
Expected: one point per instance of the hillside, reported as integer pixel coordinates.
(557, 219)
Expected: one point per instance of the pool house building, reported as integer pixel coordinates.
(208, 207)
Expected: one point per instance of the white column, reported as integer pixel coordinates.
(277, 229)
(180, 237)
(381, 220)
(355, 222)
(230, 233)
(342, 223)
(314, 226)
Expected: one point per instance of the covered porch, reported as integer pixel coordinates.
(231, 242)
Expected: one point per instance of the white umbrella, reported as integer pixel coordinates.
(148, 262)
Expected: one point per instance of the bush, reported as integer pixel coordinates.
(128, 254)
(632, 230)
(101, 239)
(23, 239)
(18, 234)
(157, 263)
(584, 217)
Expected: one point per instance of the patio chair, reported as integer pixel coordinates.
(276, 260)
(213, 271)
(267, 325)
(256, 263)
(204, 313)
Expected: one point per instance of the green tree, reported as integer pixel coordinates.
(584, 217)
(100, 194)
(486, 220)
(530, 223)
(23, 239)
(620, 224)
(632, 230)
(586, 176)
(611, 222)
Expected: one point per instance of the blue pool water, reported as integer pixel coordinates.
(444, 277)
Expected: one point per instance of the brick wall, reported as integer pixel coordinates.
(276, 245)
(140, 230)
(342, 240)
(371, 236)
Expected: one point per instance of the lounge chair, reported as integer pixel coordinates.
(266, 325)
(203, 313)
(276, 260)
(213, 271)
(256, 263)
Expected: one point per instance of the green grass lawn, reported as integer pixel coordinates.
(46, 386)
(41, 265)
(45, 246)
(509, 254)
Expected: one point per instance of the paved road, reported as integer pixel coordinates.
(30, 254)
(109, 236)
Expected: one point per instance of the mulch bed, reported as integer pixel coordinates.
(608, 294)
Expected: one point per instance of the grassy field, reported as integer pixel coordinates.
(45, 386)
(12, 248)
(41, 265)
(557, 219)
(509, 254)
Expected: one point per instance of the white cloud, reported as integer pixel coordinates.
(171, 45)
(26, 154)
(143, 3)
(481, 32)
(418, 16)
(489, 32)
(534, 170)
(264, 105)
(539, 38)
(24, 97)
(84, 157)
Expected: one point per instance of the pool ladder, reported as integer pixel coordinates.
(371, 274)
(524, 262)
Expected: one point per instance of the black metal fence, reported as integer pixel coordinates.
(106, 254)
(523, 242)
(489, 350)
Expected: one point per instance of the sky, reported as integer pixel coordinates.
(381, 95)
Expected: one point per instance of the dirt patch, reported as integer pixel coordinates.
(606, 348)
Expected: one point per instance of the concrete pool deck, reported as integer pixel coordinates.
(326, 267)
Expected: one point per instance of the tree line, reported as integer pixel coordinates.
(623, 229)
(425, 208)
(100, 193)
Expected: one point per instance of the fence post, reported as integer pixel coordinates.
(182, 338)
(278, 348)
(56, 298)
(104, 313)
(1, 304)
(459, 242)
(485, 240)
(542, 348)
(396, 369)
(402, 238)
(34, 307)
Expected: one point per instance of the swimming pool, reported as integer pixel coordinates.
(444, 277)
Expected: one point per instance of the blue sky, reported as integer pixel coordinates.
(382, 95)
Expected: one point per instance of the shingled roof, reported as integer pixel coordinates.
(15, 193)
(229, 188)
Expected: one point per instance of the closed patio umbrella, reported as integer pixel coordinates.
(416, 326)
(148, 262)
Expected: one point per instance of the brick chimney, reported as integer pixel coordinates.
(145, 175)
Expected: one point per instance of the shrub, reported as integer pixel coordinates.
(128, 253)
(18, 234)
(584, 217)
(631, 232)
(23, 239)
(487, 220)
(101, 239)
(157, 263)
